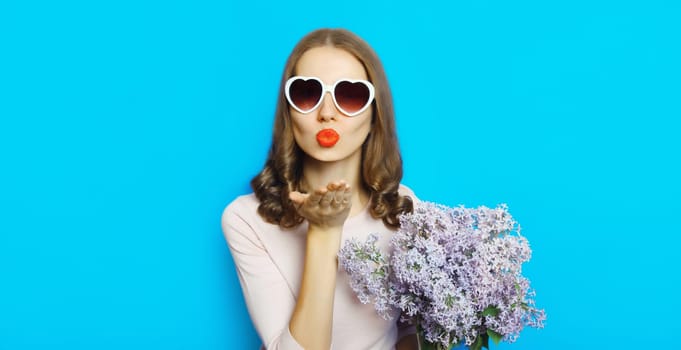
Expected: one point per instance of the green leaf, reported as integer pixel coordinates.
(477, 344)
(496, 337)
(461, 343)
(423, 343)
(490, 311)
(428, 346)
(485, 341)
(449, 301)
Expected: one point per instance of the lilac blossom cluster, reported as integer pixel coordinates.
(455, 271)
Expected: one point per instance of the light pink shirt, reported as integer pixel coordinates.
(269, 262)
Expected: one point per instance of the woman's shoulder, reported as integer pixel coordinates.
(247, 202)
(243, 208)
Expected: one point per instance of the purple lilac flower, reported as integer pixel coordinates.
(369, 271)
(455, 271)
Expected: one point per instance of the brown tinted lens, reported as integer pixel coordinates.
(351, 97)
(305, 93)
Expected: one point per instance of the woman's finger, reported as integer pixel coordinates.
(327, 198)
(297, 198)
(339, 194)
(316, 196)
(346, 195)
(332, 186)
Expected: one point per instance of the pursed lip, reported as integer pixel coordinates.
(327, 137)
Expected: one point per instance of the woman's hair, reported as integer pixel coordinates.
(381, 161)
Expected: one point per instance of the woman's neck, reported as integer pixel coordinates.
(318, 174)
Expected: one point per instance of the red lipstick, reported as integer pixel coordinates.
(327, 137)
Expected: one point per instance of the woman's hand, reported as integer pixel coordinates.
(326, 207)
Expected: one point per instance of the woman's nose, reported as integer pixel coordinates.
(327, 111)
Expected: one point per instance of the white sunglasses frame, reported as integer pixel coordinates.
(330, 89)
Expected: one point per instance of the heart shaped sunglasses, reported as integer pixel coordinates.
(351, 97)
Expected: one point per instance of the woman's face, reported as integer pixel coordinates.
(330, 64)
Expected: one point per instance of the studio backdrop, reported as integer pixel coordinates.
(126, 127)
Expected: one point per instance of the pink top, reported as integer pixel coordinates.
(269, 262)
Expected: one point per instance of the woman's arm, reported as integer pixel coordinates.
(269, 298)
(325, 210)
(312, 318)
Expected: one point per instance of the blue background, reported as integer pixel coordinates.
(127, 126)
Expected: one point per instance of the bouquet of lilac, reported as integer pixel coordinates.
(455, 272)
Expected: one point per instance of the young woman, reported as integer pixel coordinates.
(333, 172)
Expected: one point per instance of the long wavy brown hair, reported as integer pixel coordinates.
(381, 159)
